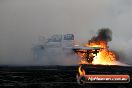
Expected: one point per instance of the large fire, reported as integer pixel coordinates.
(104, 56)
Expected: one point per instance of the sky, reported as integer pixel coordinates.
(23, 21)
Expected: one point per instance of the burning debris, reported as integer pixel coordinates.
(96, 52)
(104, 56)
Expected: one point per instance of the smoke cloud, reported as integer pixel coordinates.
(104, 34)
(23, 21)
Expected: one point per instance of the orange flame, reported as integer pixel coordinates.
(104, 57)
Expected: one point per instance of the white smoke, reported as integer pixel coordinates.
(23, 21)
(56, 50)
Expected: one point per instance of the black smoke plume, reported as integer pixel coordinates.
(104, 34)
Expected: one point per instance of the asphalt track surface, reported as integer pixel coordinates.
(57, 76)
